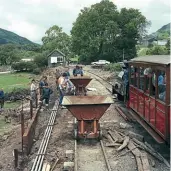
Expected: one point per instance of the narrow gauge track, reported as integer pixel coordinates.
(105, 83)
(38, 162)
(84, 153)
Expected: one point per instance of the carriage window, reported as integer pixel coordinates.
(132, 75)
(136, 77)
(147, 80)
(161, 85)
(141, 78)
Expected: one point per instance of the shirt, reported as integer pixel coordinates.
(1, 94)
(160, 80)
(41, 84)
(62, 82)
(33, 87)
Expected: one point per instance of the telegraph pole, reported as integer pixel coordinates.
(123, 55)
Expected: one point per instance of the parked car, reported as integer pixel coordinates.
(100, 62)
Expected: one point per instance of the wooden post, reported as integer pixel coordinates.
(15, 158)
(31, 109)
(22, 125)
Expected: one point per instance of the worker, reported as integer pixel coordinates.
(46, 94)
(126, 81)
(33, 93)
(75, 70)
(2, 96)
(41, 85)
(81, 71)
(70, 89)
(62, 85)
(78, 71)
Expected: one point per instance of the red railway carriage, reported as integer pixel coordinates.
(149, 93)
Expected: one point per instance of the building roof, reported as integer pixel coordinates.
(56, 50)
(158, 59)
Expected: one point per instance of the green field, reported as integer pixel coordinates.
(17, 80)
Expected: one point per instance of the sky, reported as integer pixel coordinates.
(31, 18)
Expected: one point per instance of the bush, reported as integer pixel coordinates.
(24, 66)
(157, 50)
(113, 67)
(37, 71)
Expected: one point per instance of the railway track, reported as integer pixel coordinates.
(91, 156)
(105, 83)
(38, 162)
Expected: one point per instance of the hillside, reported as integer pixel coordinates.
(162, 33)
(10, 37)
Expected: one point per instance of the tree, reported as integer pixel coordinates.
(9, 54)
(41, 60)
(102, 32)
(55, 38)
(157, 50)
(168, 46)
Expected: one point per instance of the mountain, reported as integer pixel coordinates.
(7, 37)
(162, 33)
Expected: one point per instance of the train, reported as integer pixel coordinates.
(149, 94)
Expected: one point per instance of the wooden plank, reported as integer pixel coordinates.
(48, 167)
(134, 150)
(145, 162)
(44, 167)
(139, 163)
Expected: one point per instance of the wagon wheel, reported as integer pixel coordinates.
(100, 132)
(100, 135)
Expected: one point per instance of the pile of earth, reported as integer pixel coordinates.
(17, 94)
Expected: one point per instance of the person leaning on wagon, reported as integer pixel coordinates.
(78, 71)
(2, 96)
(75, 71)
(33, 93)
(62, 85)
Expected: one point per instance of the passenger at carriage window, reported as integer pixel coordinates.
(161, 85)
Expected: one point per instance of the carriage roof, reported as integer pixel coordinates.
(155, 59)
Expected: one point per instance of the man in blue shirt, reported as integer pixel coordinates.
(77, 71)
(1, 99)
(42, 85)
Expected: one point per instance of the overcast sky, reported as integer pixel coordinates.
(31, 18)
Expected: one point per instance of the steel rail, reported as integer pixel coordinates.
(105, 156)
(102, 82)
(75, 152)
(38, 162)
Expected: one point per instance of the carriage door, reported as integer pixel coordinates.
(149, 94)
(140, 82)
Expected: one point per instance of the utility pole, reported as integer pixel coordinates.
(123, 55)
